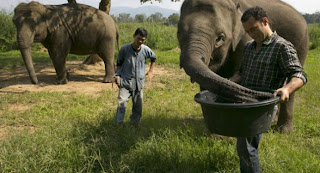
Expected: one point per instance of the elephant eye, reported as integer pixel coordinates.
(221, 37)
(220, 40)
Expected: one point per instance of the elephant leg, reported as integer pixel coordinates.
(285, 118)
(107, 55)
(59, 63)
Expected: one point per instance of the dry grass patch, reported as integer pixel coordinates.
(6, 131)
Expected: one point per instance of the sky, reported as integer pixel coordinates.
(304, 6)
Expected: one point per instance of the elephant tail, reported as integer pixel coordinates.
(117, 37)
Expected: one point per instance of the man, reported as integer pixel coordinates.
(130, 75)
(269, 63)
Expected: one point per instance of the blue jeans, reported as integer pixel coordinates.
(124, 95)
(247, 148)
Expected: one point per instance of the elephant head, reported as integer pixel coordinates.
(32, 25)
(209, 32)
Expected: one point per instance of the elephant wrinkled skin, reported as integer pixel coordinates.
(211, 38)
(63, 29)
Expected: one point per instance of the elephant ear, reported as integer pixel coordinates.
(53, 19)
(237, 29)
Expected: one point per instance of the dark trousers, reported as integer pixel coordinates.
(247, 148)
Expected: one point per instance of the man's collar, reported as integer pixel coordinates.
(270, 39)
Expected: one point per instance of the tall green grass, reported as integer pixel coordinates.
(160, 36)
(76, 133)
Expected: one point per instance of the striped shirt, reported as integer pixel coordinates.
(271, 66)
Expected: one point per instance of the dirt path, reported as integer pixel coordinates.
(84, 79)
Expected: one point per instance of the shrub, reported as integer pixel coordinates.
(314, 34)
(7, 32)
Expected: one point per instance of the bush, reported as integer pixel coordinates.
(7, 32)
(314, 34)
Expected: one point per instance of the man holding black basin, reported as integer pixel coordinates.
(269, 63)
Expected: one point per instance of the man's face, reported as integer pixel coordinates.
(139, 40)
(256, 29)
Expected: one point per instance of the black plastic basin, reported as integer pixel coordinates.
(236, 119)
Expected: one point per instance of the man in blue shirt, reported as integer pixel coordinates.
(130, 75)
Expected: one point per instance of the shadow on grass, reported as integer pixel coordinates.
(128, 148)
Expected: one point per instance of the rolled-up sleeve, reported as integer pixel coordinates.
(151, 55)
(290, 64)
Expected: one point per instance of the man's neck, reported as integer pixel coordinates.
(268, 35)
(136, 47)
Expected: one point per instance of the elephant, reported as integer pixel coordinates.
(63, 29)
(211, 38)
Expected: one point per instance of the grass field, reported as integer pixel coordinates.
(51, 131)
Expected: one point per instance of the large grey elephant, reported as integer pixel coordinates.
(211, 38)
(63, 29)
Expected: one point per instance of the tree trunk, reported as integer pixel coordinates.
(105, 6)
(72, 1)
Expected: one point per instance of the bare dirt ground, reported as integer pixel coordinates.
(83, 79)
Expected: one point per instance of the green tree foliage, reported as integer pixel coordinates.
(173, 19)
(124, 17)
(7, 32)
(7, 28)
(156, 17)
(312, 18)
(140, 18)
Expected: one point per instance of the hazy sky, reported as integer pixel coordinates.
(306, 6)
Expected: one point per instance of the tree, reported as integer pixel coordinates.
(72, 1)
(140, 18)
(105, 6)
(173, 19)
(156, 17)
(124, 17)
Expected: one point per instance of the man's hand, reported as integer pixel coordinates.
(284, 94)
(150, 72)
(117, 80)
(150, 75)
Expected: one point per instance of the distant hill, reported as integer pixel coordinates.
(147, 10)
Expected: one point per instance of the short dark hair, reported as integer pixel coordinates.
(141, 31)
(257, 12)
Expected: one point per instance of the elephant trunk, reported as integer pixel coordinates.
(193, 60)
(26, 54)
(25, 39)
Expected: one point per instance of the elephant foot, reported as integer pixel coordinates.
(108, 80)
(61, 82)
(285, 128)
